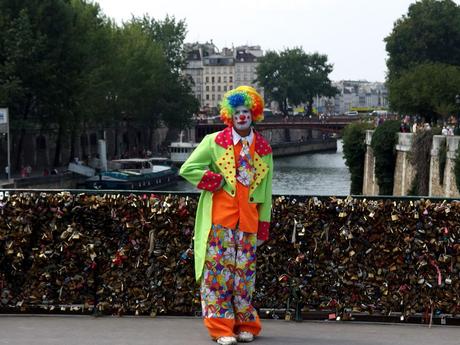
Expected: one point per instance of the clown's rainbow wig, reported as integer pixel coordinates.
(242, 95)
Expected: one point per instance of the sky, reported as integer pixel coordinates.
(349, 32)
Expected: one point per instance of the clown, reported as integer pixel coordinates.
(233, 168)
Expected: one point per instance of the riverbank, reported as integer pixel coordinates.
(66, 180)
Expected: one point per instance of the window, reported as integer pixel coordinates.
(218, 79)
(213, 88)
(213, 97)
(225, 87)
(218, 87)
(230, 79)
(207, 97)
(225, 78)
(207, 79)
(212, 79)
(207, 87)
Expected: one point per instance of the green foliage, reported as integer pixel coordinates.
(170, 35)
(293, 76)
(354, 151)
(420, 160)
(427, 89)
(430, 32)
(424, 56)
(65, 66)
(170, 99)
(383, 144)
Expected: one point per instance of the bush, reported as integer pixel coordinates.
(383, 143)
(354, 151)
(420, 160)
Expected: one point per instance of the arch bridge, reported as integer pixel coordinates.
(329, 125)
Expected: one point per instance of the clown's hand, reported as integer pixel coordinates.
(260, 242)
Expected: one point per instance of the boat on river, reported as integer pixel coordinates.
(135, 174)
(181, 150)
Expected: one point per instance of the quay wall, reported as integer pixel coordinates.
(60, 181)
(404, 173)
(370, 185)
(298, 148)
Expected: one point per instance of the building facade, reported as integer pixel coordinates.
(358, 95)
(214, 73)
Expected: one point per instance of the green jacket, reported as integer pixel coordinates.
(214, 160)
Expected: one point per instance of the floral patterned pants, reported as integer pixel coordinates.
(228, 283)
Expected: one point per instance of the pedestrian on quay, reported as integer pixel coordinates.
(233, 168)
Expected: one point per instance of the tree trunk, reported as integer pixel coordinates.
(150, 140)
(116, 141)
(22, 134)
(19, 161)
(57, 152)
(72, 144)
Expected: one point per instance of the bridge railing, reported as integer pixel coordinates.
(130, 252)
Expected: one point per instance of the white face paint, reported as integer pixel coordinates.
(242, 118)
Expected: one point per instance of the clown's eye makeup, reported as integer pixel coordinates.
(242, 111)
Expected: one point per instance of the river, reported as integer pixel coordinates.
(309, 174)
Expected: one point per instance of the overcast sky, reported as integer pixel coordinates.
(349, 32)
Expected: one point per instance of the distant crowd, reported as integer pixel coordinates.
(414, 125)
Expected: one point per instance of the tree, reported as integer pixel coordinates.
(64, 66)
(293, 77)
(35, 57)
(430, 32)
(354, 151)
(427, 89)
(170, 35)
(421, 48)
(383, 144)
(175, 103)
(94, 49)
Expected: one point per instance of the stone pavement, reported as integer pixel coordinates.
(73, 330)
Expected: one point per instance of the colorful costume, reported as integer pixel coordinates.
(229, 221)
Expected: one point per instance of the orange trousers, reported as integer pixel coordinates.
(228, 283)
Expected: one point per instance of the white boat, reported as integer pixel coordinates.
(134, 173)
(180, 151)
